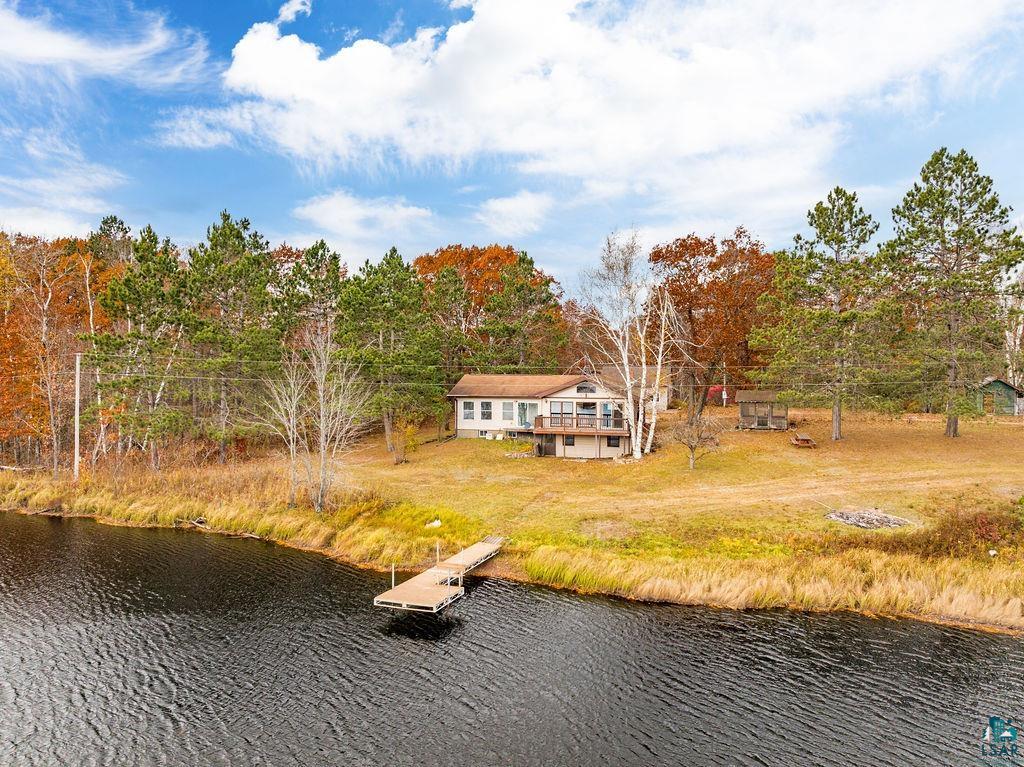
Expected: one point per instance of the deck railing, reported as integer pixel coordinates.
(581, 423)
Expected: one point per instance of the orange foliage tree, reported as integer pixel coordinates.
(495, 308)
(715, 287)
(51, 314)
(479, 267)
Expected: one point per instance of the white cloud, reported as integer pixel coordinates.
(47, 185)
(55, 190)
(363, 227)
(394, 29)
(292, 8)
(143, 51)
(42, 222)
(192, 129)
(694, 107)
(515, 216)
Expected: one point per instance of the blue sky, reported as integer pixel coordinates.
(541, 123)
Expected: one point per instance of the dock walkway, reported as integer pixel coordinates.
(436, 588)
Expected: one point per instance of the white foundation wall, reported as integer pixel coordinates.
(585, 447)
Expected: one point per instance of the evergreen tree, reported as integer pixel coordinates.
(828, 326)
(232, 280)
(147, 307)
(521, 321)
(953, 249)
(386, 330)
(310, 288)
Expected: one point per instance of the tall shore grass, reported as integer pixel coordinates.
(365, 527)
(746, 530)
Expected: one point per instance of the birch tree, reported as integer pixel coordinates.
(1013, 300)
(628, 330)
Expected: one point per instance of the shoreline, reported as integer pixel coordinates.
(497, 568)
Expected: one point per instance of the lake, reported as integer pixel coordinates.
(123, 646)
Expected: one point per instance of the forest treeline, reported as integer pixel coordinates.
(235, 340)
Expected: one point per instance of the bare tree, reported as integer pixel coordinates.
(336, 416)
(43, 273)
(1013, 300)
(700, 436)
(283, 410)
(630, 329)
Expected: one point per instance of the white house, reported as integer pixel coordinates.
(571, 416)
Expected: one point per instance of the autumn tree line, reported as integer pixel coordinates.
(233, 342)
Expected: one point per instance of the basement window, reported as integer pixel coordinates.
(613, 441)
(570, 440)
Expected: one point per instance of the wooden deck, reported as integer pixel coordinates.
(580, 424)
(436, 588)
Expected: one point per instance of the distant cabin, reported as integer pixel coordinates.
(998, 397)
(762, 410)
(569, 416)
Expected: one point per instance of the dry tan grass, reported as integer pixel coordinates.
(746, 529)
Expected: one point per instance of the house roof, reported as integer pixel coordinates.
(527, 386)
(995, 379)
(750, 395)
(611, 376)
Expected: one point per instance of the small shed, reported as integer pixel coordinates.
(998, 397)
(762, 410)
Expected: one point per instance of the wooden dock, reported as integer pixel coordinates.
(436, 588)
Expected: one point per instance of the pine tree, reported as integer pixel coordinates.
(385, 329)
(138, 356)
(521, 321)
(828, 324)
(232, 279)
(953, 248)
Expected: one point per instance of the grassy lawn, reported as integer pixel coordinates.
(747, 528)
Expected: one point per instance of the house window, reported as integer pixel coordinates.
(485, 411)
(506, 411)
(570, 440)
(586, 388)
(613, 441)
(561, 413)
(611, 416)
(467, 411)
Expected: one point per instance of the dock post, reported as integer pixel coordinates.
(392, 575)
(438, 544)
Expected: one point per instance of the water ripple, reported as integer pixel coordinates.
(121, 646)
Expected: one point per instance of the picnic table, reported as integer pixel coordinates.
(800, 439)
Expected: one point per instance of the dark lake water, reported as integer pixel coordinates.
(142, 647)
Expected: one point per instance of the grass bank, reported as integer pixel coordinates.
(747, 529)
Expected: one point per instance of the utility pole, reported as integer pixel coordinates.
(78, 411)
